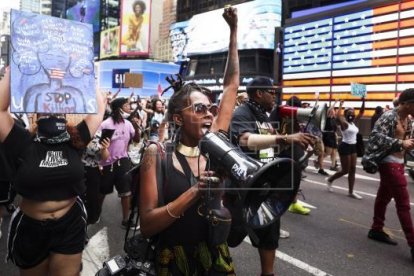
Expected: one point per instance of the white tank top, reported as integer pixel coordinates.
(349, 134)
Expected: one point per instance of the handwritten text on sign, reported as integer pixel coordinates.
(358, 89)
(52, 69)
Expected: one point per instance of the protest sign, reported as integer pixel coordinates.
(133, 80)
(358, 89)
(52, 69)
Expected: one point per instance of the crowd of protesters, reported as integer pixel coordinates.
(62, 173)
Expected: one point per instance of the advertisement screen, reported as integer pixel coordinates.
(135, 27)
(209, 33)
(86, 11)
(373, 47)
(109, 43)
(179, 39)
(112, 76)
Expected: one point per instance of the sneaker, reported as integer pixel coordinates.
(298, 209)
(330, 188)
(322, 172)
(335, 169)
(412, 254)
(124, 224)
(284, 234)
(381, 236)
(315, 164)
(355, 195)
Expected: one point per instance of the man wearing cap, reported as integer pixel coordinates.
(389, 136)
(115, 167)
(251, 130)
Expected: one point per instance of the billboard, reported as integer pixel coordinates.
(208, 32)
(109, 43)
(135, 27)
(179, 40)
(113, 74)
(86, 11)
(373, 47)
(52, 69)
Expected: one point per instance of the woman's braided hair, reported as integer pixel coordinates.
(181, 95)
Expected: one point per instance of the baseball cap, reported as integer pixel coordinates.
(259, 83)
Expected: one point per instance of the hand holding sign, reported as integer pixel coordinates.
(359, 90)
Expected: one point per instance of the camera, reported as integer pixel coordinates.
(125, 266)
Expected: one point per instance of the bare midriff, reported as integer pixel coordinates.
(45, 210)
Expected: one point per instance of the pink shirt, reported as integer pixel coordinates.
(119, 141)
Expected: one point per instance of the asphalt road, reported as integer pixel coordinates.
(332, 240)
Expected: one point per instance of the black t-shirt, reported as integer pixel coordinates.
(244, 121)
(45, 172)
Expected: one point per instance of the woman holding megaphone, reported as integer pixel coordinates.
(171, 209)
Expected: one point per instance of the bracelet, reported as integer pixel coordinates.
(171, 214)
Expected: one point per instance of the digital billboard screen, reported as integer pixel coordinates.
(374, 47)
(109, 43)
(208, 32)
(135, 27)
(86, 11)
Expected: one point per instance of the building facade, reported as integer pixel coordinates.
(162, 50)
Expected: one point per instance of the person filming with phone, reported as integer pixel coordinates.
(120, 131)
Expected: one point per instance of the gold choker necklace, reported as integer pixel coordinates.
(188, 151)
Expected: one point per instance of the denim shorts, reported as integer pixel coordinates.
(31, 241)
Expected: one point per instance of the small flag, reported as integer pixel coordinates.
(57, 74)
(159, 89)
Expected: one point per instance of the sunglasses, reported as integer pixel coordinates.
(199, 108)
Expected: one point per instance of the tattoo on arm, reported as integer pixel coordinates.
(148, 159)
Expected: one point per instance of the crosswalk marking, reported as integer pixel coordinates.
(343, 189)
(298, 263)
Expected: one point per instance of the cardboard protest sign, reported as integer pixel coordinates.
(52, 69)
(358, 89)
(133, 80)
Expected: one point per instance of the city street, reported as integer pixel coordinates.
(332, 240)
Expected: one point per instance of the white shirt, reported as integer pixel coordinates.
(349, 135)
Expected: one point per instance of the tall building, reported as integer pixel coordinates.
(205, 66)
(110, 15)
(259, 52)
(59, 7)
(46, 7)
(30, 5)
(163, 46)
(37, 6)
(4, 22)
